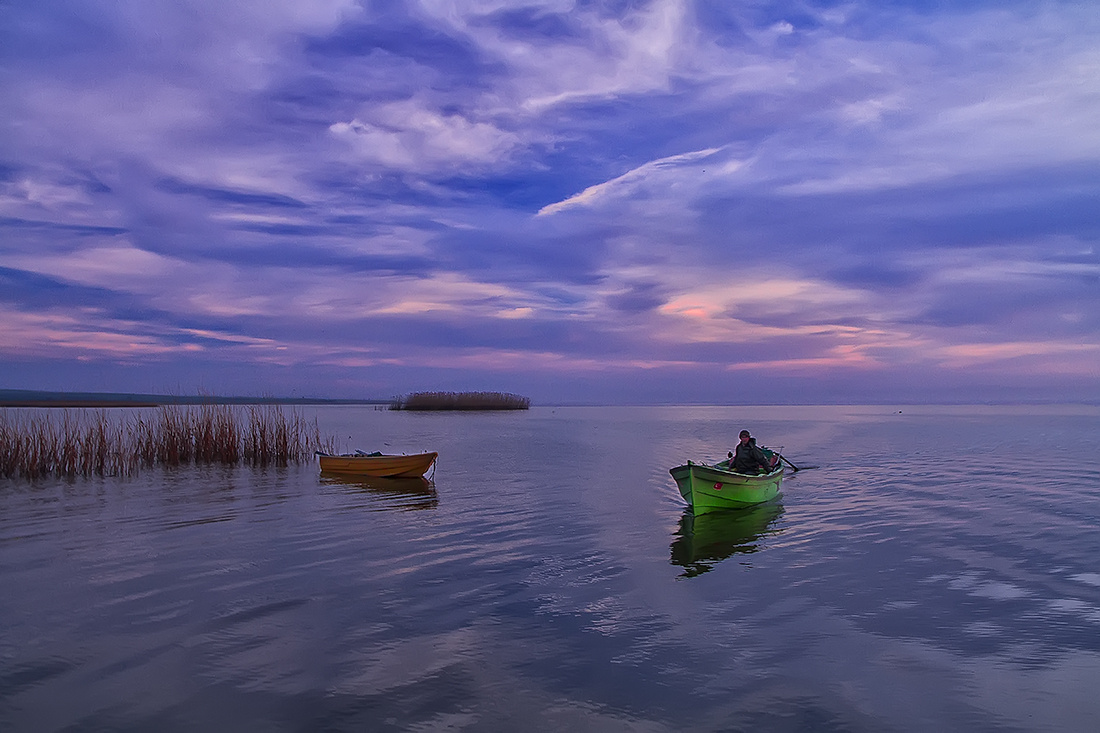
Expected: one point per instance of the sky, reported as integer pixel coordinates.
(719, 201)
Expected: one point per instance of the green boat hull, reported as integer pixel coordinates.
(707, 488)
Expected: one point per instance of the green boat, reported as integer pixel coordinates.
(707, 488)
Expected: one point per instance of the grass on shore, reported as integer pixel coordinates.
(91, 443)
(460, 401)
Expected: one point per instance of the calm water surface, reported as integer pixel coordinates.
(939, 569)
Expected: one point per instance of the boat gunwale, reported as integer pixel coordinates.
(322, 454)
(690, 466)
(385, 465)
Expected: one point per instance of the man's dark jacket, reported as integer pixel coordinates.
(749, 459)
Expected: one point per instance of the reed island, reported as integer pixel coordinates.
(425, 401)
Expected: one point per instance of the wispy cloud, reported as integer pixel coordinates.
(654, 172)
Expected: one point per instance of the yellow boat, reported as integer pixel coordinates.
(377, 464)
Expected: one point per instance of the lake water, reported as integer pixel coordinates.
(938, 569)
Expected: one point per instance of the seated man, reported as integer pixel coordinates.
(749, 458)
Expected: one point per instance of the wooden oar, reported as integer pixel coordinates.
(784, 459)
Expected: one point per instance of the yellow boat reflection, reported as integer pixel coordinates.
(389, 493)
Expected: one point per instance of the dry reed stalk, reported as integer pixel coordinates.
(85, 444)
(173, 436)
(70, 448)
(97, 447)
(140, 440)
(225, 436)
(9, 448)
(43, 448)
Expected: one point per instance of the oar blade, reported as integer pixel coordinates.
(794, 467)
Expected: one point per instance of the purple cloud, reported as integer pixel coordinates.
(580, 201)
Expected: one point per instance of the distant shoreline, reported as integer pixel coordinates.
(75, 403)
(31, 398)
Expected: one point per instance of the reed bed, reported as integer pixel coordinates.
(460, 401)
(95, 443)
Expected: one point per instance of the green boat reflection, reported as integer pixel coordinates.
(397, 494)
(704, 540)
